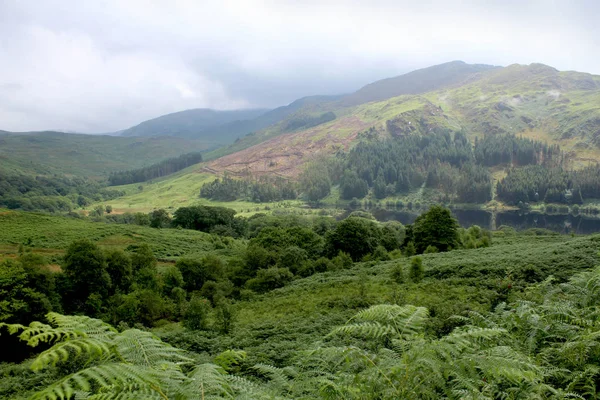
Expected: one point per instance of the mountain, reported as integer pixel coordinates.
(195, 123)
(419, 81)
(86, 155)
(534, 100)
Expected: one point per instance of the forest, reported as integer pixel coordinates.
(163, 168)
(287, 306)
(51, 193)
(446, 162)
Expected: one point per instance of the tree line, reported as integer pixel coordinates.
(154, 171)
(261, 190)
(532, 184)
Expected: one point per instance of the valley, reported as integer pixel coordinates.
(432, 235)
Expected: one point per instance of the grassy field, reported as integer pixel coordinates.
(182, 189)
(51, 235)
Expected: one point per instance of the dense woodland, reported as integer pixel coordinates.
(264, 189)
(51, 193)
(163, 168)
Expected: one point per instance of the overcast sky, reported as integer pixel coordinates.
(105, 65)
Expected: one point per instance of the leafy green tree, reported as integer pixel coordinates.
(342, 260)
(436, 227)
(397, 273)
(354, 236)
(159, 218)
(392, 235)
(269, 279)
(86, 273)
(20, 300)
(118, 266)
(292, 258)
(196, 272)
(431, 249)
(143, 264)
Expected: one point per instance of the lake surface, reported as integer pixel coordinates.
(562, 223)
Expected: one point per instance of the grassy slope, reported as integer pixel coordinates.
(180, 190)
(87, 155)
(271, 327)
(50, 235)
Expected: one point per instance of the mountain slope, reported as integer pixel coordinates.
(195, 123)
(536, 100)
(86, 155)
(419, 81)
(270, 124)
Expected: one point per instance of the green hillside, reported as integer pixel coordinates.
(87, 155)
(196, 123)
(536, 101)
(463, 306)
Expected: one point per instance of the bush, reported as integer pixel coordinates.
(269, 279)
(416, 271)
(431, 249)
(397, 274)
(343, 260)
(196, 314)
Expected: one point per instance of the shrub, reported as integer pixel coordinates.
(416, 271)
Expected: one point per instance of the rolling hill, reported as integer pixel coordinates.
(86, 155)
(195, 123)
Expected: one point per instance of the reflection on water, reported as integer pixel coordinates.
(581, 224)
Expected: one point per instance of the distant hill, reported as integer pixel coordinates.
(196, 123)
(86, 155)
(419, 81)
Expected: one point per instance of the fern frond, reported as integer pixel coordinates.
(145, 349)
(95, 349)
(206, 380)
(105, 376)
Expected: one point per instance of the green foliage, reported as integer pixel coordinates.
(354, 236)
(550, 185)
(86, 271)
(431, 249)
(159, 218)
(264, 189)
(410, 249)
(397, 273)
(436, 227)
(269, 279)
(196, 273)
(127, 365)
(416, 271)
(196, 314)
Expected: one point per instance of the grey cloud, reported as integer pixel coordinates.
(106, 65)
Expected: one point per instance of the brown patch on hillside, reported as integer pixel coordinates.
(285, 154)
(53, 268)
